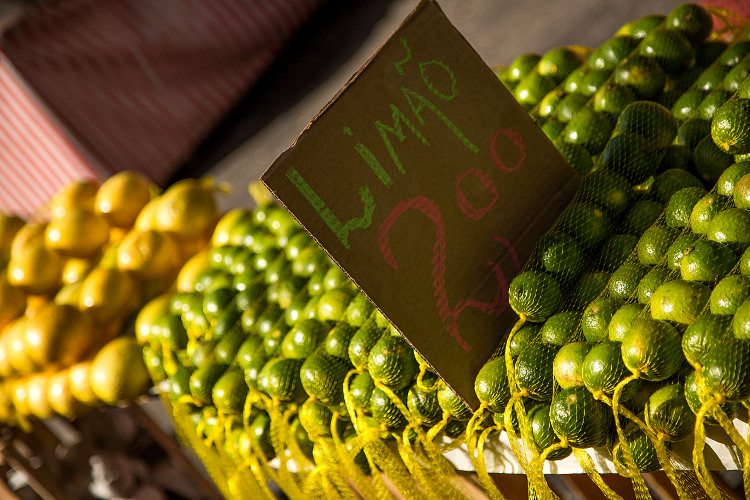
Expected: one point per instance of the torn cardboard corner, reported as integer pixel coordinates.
(429, 185)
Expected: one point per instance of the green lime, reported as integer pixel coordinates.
(559, 254)
(677, 250)
(574, 80)
(688, 105)
(624, 281)
(675, 156)
(391, 362)
(603, 369)
(336, 342)
(361, 343)
(732, 227)
(745, 263)
(532, 88)
(612, 98)
(589, 287)
(588, 224)
(705, 210)
(316, 418)
(569, 106)
(561, 328)
(726, 370)
(322, 377)
(707, 261)
(227, 348)
(607, 189)
(535, 295)
(230, 391)
(649, 120)
(649, 283)
(616, 249)
(681, 205)
(542, 432)
(309, 260)
(202, 382)
(691, 132)
(710, 79)
(272, 341)
(736, 75)
(734, 53)
(596, 317)
(594, 80)
(645, 25)
(652, 349)
(642, 214)
(296, 243)
(250, 348)
(741, 193)
(302, 339)
(576, 154)
(641, 448)
(423, 404)
(703, 333)
(280, 379)
(385, 411)
(549, 102)
(491, 385)
(575, 415)
(711, 103)
(360, 390)
(333, 303)
(642, 74)
(670, 96)
(559, 62)
(169, 331)
(451, 403)
(253, 369)
(524, 336)
(589, 128)
(672, 180)
(709, 51)
(730, 127)
(623, 319)
(614, 50)
(669, 413)
(679, 301)
(668, 48)
(741, 324)
(729, 178)
(552, 128)
(632, 156)
(693, 21)
(534, 371)
(522, 66)
(710, 161)
(695, 395)
(653, 245)
(266, 321)
(566, 367)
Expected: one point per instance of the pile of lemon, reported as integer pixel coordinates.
(71, 280)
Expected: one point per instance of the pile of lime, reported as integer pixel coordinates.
(71, 279)
(634, 308)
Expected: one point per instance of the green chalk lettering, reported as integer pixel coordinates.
(398, 132)
(423, 66)
(340, 230)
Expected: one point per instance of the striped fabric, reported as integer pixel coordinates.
(91, 87)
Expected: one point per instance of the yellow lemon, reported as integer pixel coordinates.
(31, 232)
(188, 209)
(152, 309)
(58, 334)
(79, 380)
(75, 194)
(12, 301)
(69, 294)
(147, 217)
(36, 395)
(6, 401)
(121, 197)
(118, 373)
(61, 398)
(6, 369)
(36, 270)
(19, 397)
(9, 227)
(79, 233)
(148, 255)
(18, 354)
(195, 265)
(75, 269)
(108, 293)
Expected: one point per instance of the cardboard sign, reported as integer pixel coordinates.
(429, 185)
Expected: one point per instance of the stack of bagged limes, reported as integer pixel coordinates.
(633, 322)
(72, 279)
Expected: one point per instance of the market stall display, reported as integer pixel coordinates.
(632, 332)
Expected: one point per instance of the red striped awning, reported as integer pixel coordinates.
(91, 87)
